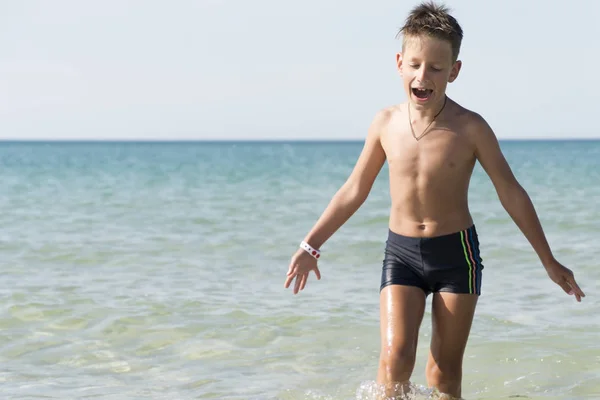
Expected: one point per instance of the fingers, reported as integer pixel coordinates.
(303, 281)
(318, 273)
(565, 286)
(290, 275)
(287, 282)
(565, 278)
(570, 286)
(575, 289)
(301, 278)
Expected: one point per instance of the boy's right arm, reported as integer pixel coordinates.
(355, 190)
(347, 200)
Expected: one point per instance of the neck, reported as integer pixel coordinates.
(428, 113)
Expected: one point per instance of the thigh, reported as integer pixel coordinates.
(452, 317)
(401, 313)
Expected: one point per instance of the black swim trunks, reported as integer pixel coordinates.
(447, 263)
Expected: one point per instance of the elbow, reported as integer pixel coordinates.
(512, 195)
(354, 194)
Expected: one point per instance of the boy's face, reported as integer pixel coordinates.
(426, 68)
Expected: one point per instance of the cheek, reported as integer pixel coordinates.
(441, 80)
(407, 74)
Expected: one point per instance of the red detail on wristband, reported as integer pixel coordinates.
(310, 250)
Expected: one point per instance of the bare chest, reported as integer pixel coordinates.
(441, 152)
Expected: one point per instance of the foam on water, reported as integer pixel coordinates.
(371, 390)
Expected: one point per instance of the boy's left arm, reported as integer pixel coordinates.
(517, 203)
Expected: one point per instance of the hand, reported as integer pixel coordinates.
(564, 278)
(300, 266)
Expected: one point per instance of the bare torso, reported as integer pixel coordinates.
(429, 178)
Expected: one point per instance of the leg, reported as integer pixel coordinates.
(401, 313)
(451, 325)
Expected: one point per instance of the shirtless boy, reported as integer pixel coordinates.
(431, 144)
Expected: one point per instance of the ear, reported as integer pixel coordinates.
(454, 71)
(399, 63)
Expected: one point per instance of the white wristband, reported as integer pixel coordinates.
(312, 251)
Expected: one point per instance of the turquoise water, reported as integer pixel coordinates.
(156, 270)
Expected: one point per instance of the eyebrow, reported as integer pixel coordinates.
(413, 59)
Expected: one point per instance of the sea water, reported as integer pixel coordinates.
(156, 270)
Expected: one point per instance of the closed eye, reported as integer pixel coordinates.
(416, 66)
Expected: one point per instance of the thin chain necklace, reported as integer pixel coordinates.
(425, 131)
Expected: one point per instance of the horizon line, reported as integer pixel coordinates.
(259, 140)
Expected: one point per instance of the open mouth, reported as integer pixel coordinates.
(422, 94)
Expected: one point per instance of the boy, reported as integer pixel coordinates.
(431, 144)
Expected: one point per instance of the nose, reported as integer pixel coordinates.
(422, 74)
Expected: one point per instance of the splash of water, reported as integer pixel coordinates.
(370, 390)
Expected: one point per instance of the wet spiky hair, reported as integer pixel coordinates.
(430, 19)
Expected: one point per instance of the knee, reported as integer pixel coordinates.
(398, 362)
(445, 376)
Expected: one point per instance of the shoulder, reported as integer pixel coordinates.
(379, 127)
(468, 119)
(482, 137)
(387, 114)
(384, 117)
(474, 125)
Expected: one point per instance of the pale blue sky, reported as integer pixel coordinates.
(276, 69)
